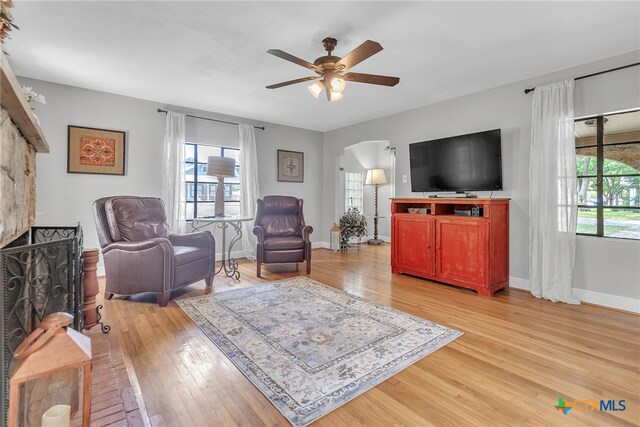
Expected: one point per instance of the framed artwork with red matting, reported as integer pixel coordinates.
(95, 151)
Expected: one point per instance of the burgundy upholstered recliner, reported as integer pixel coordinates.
(282, 235)
(140, 255)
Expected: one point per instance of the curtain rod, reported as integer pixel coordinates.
(526, 91)
(211, 120)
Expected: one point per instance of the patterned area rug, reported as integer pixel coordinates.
(310, 348)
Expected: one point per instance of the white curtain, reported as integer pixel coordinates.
(249, 187)
(173, 183)
(553, 198)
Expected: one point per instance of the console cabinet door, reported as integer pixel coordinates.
(462, 251)
(413, 244)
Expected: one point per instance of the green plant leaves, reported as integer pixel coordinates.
(352, 224)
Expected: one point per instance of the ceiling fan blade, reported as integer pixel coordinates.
(291, 82)
(291, 58)
(359, 54)
(372, 79)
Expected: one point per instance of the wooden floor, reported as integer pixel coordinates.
(517, 356)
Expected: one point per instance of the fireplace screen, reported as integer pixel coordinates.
(38, 279)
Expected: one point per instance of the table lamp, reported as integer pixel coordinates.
(375, 177)
(220, 167)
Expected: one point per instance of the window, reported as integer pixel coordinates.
(608, 172)
(353, 191)
(201, 188)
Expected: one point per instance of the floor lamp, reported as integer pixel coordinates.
(375, 177)
(220, 167)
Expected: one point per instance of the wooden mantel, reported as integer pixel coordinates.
(13, 101)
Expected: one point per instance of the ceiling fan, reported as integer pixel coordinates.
(330, 69)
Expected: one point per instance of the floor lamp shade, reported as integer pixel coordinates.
(375, 177)
(220, 167)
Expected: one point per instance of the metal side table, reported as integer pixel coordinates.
(228, 264)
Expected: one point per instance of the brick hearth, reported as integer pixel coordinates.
(115, 398)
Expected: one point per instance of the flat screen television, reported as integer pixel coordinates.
(461, 163)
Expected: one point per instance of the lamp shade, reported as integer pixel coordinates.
(376, 176)
(338, 84)
(335, 96)
(221, 166)
(316, 88)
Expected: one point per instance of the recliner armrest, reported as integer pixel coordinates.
(258, 230)
(144, 266)
(165, 244)
(200, 239)
(306, 230)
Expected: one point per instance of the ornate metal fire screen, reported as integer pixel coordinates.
(37, 280)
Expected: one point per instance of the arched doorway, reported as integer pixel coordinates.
(353, 163)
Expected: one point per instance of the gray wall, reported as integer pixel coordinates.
(64, 198)
(606, 266)
(609, 266)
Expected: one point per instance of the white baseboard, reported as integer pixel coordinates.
(608, 300)
(234, 254)
(326, 245)
(591, 297)
(518, 283)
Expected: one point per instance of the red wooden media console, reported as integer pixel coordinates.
(462, 242)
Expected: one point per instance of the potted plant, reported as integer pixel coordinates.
(352, 224)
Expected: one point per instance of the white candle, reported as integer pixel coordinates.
(57, 416)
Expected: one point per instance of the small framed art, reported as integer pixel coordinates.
(95, 151)
(290, 166)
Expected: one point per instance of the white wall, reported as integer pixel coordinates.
(64, 198)
(509, 109)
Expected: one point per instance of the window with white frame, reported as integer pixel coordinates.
(201, 188)
(353, 190)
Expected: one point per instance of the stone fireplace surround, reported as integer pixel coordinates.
(17, 181)
(20, 139)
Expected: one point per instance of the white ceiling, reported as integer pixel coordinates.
(212, 55)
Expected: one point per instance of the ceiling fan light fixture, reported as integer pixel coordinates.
(336, 96)
(338, 84)
(316, 88)
(330, 69)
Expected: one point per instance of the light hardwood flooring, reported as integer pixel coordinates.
(518, 354)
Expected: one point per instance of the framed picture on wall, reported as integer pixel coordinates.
(95, 151)
(290, 166)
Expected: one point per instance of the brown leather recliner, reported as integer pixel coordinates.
(282, 235)
(140, 255)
